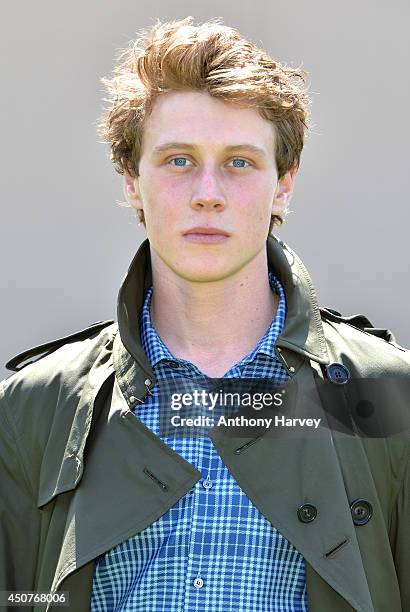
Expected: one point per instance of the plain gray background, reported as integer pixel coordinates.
(65, 240)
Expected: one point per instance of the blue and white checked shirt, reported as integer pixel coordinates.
(213, 550)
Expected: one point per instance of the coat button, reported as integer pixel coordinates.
(362, 511)
(307, 513)
(337, 373)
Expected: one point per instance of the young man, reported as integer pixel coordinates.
(98, 503)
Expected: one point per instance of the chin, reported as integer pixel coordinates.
(206, 267)
(206, 273)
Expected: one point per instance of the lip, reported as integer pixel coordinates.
(206, 235)
(208, 231)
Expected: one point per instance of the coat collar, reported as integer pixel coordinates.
(302, 333)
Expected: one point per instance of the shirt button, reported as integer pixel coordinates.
(198, 583)
(207, 484)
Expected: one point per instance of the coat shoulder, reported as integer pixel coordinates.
(18, 362)
(378, 393)
(39, 401)
(360, 322)
(373, 349)
(58, 364)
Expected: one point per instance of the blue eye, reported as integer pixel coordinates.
(241, 161)
(179, 161)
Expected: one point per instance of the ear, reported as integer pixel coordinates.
(131, 190)
(283, 192)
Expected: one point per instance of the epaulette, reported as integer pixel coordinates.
(42, 350)
(361, 322)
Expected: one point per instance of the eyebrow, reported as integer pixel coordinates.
(190, 147)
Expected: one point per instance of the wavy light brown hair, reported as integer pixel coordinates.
(208, 57)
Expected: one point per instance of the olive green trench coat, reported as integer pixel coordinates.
(75, 461)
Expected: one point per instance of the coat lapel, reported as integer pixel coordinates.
(116, 497)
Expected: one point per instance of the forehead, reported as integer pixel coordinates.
(199, 118)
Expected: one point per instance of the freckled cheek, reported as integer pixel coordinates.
(164, 198)
(176, 195)
(251, 202)
(165, 211)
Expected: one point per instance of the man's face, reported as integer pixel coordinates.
(206, 164)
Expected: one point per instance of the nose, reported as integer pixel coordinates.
(208, 194)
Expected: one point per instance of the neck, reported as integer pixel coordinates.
(215, 324)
